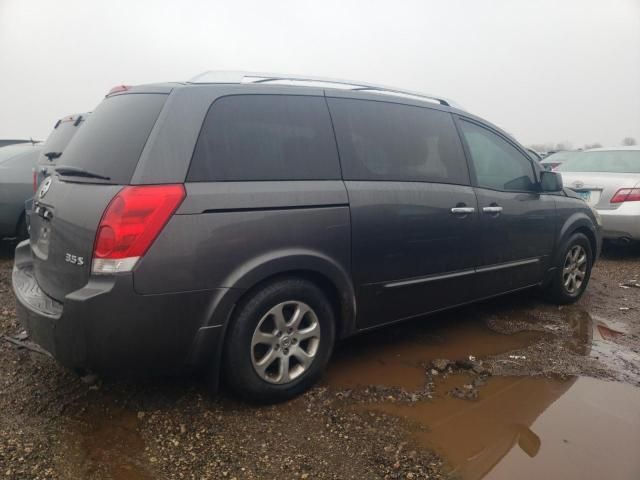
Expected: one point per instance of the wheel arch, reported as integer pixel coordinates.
(325, 272)
(578, 223)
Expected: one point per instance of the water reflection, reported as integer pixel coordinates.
(396, 356)
(524, 427)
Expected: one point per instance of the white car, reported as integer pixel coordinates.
(608, 179)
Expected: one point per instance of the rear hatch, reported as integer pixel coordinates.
(98, 161)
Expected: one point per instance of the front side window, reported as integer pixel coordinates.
(497, 163)
(266, 137)
(394, 142)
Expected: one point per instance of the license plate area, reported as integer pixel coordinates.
(590, 196)
(584, 194)
(40, 232)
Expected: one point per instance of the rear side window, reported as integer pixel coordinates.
(266, 137)
(388, 141)
(498, 164)
(112, 139)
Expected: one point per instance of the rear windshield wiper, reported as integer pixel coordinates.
(52, 155)
(79, 172)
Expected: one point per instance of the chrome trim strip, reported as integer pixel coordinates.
(462, 273)
(430, 278)
(500, 266)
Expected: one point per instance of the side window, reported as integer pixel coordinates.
(265, 137)
(388, 141)
(498, 164)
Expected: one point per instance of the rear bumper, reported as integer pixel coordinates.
(107, 326)
(623, 222)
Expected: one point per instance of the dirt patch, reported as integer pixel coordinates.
(375, 415)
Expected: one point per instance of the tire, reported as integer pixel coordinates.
(558, 290)
(266, 360)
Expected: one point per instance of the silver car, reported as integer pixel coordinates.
(16, 186)
(608, 179)
(553, 161)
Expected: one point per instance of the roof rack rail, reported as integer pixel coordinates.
(252, 77)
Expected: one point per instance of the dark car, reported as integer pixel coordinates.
(5, 142)
(243, 225)
(16, 186)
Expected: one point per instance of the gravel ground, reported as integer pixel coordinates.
(54, 424)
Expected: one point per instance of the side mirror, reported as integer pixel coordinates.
(550, 181)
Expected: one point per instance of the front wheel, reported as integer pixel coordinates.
(572, 275)
(280, 341)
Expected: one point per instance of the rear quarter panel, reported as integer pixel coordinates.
(234, 234)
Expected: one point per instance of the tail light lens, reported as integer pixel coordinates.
(626, 195)
(130, 224)
(35, 181)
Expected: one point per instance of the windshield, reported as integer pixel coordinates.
(109, 144)
(7, 153)
(614, 161)
(561, 156)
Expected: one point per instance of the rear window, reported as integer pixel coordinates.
(266, 137)
(112, 139)
(394, 142)
(613, 161)
(59, 138)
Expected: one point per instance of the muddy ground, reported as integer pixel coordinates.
(511, 388)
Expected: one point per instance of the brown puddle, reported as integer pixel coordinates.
(106, 444)
(607, 346)
(396, 356)
(532, 428)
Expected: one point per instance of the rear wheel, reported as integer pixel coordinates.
(280, 341)
(572, 275)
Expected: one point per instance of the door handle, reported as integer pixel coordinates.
(462, 210)
(492, 209)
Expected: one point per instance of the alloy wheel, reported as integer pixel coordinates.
(574, 271)
(285, 342)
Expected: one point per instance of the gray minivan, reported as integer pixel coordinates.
(243, 224)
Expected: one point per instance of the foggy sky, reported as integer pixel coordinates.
(545, 71)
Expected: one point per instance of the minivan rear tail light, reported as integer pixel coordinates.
(626, 195)
(131, 223)
(35, 181)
